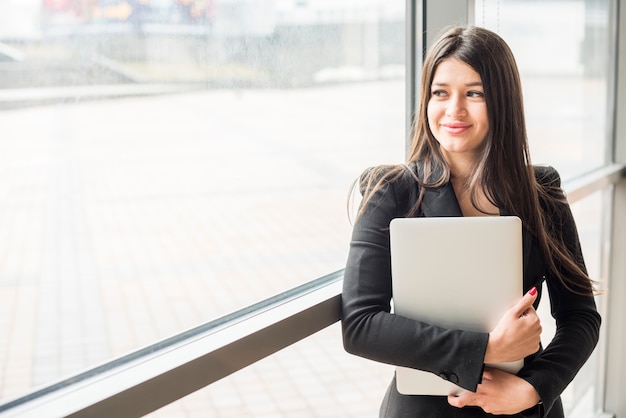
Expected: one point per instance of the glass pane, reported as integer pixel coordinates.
(562, 50)
(166, 162)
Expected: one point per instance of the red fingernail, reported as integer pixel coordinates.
(533, 291)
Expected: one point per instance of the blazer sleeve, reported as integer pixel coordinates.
(577, 320)
(370, 330)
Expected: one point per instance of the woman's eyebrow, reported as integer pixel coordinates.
(472, 84)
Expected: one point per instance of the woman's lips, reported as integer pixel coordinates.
(455, 128)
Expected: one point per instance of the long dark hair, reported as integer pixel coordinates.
(503, 171)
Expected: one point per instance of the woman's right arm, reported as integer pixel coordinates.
(370, 330)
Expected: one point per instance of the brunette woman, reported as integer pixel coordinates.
(470, 157)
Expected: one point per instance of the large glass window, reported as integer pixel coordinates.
(562, 49)
(166, 162)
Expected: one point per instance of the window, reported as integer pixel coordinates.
(167, 162)
(562, 49)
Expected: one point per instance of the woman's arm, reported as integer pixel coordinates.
(577, 320)
(517, 335)
(370, 330)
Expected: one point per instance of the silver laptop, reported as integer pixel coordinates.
(455, 272)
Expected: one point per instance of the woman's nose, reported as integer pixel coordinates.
(455, 107)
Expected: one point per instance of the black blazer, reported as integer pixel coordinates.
(371, 331)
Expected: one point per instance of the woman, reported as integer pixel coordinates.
(470, 157)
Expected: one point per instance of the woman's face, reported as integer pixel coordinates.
(457, 111)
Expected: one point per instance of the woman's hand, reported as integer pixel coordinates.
(517, 334)
(499, 393)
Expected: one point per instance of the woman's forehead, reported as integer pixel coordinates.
(454, 71)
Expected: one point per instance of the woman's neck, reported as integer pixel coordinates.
(460, 178)
(461, 165)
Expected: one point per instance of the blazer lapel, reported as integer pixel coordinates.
(437, 202)
(440, 202)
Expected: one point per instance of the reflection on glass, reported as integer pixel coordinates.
(562, 51)
(128, 214)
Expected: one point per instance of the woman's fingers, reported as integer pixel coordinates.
(525, 303)
(518, 333)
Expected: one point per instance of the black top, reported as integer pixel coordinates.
(371, 331)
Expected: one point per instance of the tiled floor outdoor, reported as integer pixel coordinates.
(124, 222)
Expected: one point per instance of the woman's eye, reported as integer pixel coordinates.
(438, 93)
(477, 94)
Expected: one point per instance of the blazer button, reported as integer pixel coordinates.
(449, 377)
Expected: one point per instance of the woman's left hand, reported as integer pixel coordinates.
(499, 393)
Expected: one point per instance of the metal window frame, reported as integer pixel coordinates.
(612, 396)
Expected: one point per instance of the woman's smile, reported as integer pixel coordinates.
(455, 128)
